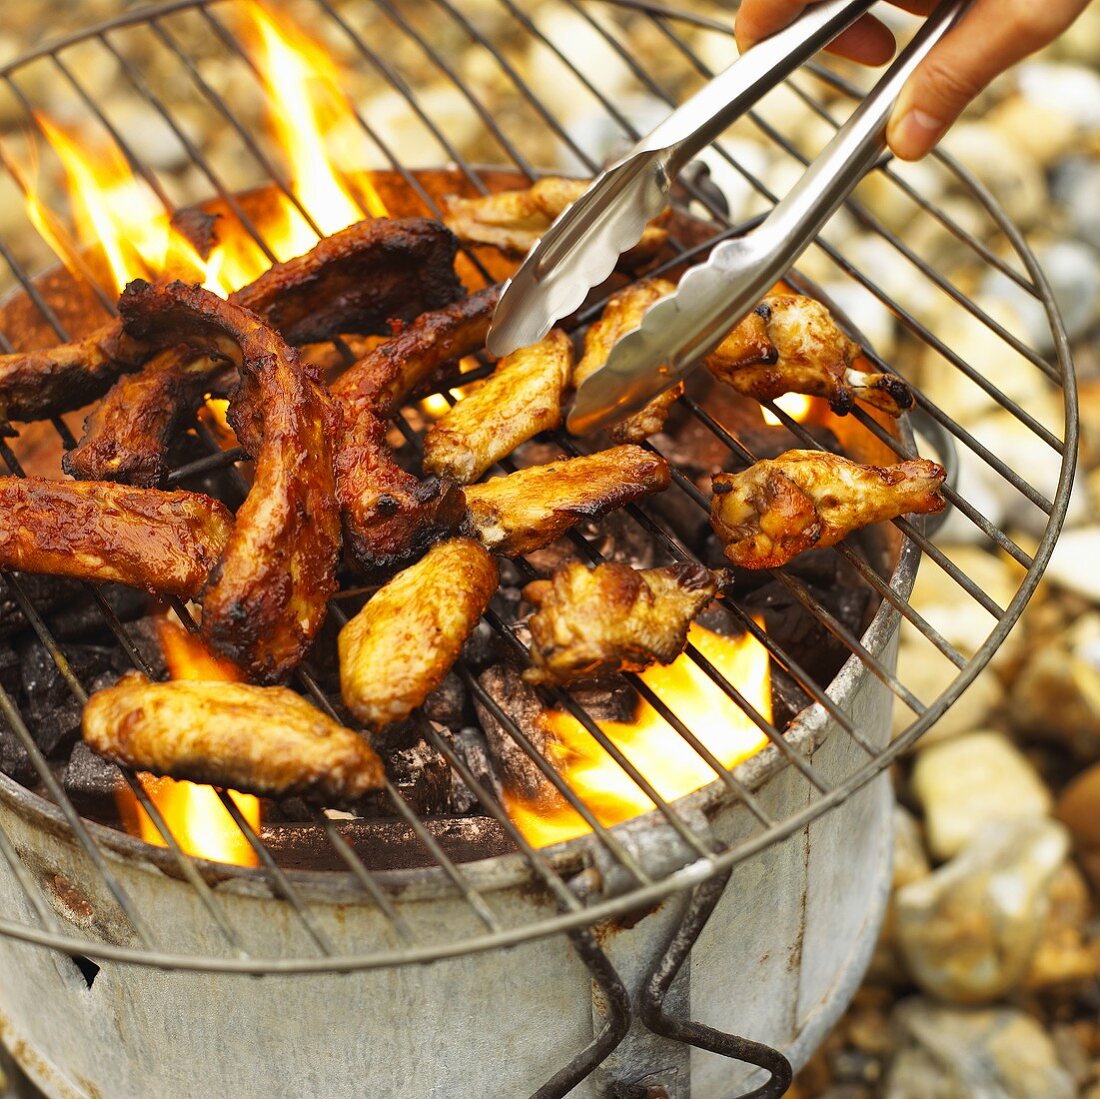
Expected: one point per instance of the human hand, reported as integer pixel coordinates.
(991, 37)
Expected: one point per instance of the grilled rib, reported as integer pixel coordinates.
(522, 398)
(612, 618)
(530, 508)
(164, 542)
(389, 515)
(261, 740)
(357, 280)
(622, 314)
(271, 587)
(399, 647)
(791, 344)
(807, 499)
(513, 221)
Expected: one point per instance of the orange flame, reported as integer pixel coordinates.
(115, 209)
(195, 815)
(653, 746)
(796, 405)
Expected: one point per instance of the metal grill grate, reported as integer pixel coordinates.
(392, 46)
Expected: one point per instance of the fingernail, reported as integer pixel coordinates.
(915, 134)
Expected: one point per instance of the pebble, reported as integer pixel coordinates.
(952, 1053)
(1013, 175)
(965, 783)
(1065, 956)
(1075, 183)
(910, 861)
(1078, 808)
(1072, 90)
(968, 932)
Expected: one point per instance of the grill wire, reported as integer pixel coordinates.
(135, 42)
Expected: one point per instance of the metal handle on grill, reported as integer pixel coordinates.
(722, 100)
(853, 152)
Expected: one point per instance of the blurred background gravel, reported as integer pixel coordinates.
(986, 984)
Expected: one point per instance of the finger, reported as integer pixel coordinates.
(991, 37)
(867, 42)
(759, 19)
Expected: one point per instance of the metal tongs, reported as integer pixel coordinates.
(583, 245)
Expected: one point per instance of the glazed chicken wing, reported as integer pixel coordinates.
(389, 515)
(522, 398)
(791, 344)
(164, 542)
(271, 588)
(357, 280)
(530, 508)
(808, 499)
(623, 313)
(612, 618)
(261, 740)
(514, 220)
(399, 647)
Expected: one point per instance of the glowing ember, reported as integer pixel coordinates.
(195, 815)
(665, 758)
(796, 405)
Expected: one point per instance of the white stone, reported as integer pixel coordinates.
(1075, 185)
(970, 780)
(1073, 90)
(928, 675)
(953, 1053)
(967, 933)
(1075, 563)
(873, 319)
(1011, 173)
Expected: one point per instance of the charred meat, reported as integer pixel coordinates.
(522, 398)
(807, 499)
(612, 618)
(791, 344)
(623, 313)
(271, 587)
(531, 507)
(399, 647)
(164, 542)
(262, 740)
(357, 280)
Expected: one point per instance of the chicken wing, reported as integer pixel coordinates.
(388, 514)
(164, 542)
(514, 220)
(808, 499)
(272, 584)
(791, 344)
(530, 508)
(522, 398)
(399, 647)
(357, 280)
(612, 618)
(622, 314)
(262, 740)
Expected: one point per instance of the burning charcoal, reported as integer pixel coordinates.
(788, 698)
(198, 227)
(91, 781)
(469, 745)
(11, 674)
(615, 701)
(45, 593)
(424, 778)
(771, 440)
(81, 617)
(615, 537)
(799, 632)
(482, 646)
(514, 767)
(14, 761)
(144, 634)
(446, 705)
(51, 711)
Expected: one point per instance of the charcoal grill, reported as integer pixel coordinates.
(83, 891)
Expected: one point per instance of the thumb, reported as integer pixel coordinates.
(990, 38)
